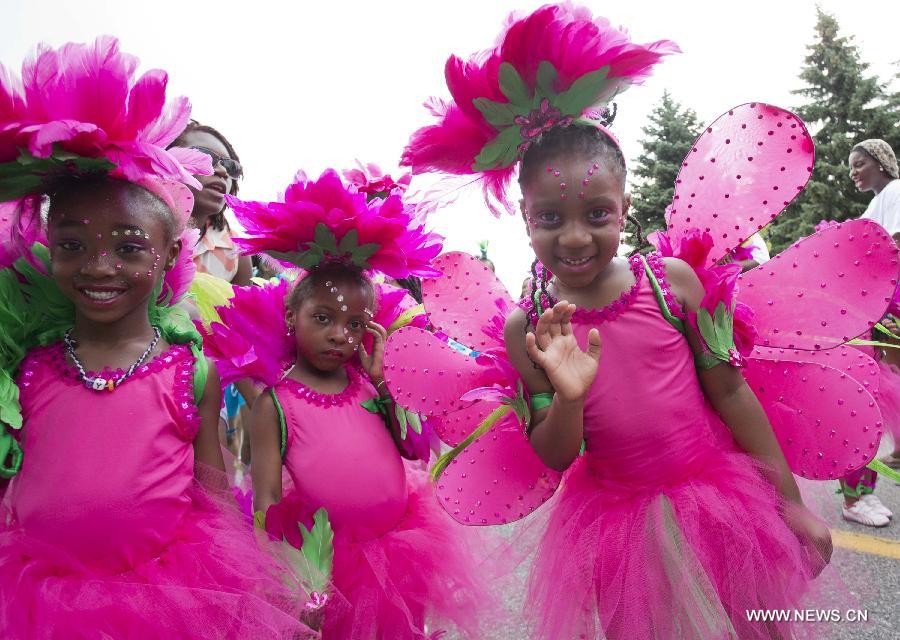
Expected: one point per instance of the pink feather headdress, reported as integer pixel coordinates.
(326, 221)
(557, 66)
(80, 109)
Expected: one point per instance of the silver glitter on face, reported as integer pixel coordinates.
(333, 289)
(351, 340)
(329, 283)
(340, 298)
(343, 307)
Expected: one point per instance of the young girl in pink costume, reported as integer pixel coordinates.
(682, 513)
(107, 530)
(396, 559)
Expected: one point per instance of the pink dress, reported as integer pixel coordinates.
(106, 533)
(664, 528)
(397, 559)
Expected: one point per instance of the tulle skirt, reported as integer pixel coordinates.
(687, 558)
(417, 579)
(215, 579)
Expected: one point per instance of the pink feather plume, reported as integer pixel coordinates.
(570, 38)
(177, 280)
(252, 339)
(86, 100)
(286, 229)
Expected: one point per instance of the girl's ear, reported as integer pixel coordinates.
(290, 317)
(172, 256)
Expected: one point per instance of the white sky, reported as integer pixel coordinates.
(311, 85)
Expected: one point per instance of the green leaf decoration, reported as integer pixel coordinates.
(499, 114)
(717, 331)
(310, 258)
(360, 255)
(27, 174)
(9, 449)
(325, 239)
(582, 94)
(259, 520)
(402, 420)
(502, 151)
(444, 461)
(415, 422)
(512, 85)
(546, 79)
(349, 242)
(318, 550)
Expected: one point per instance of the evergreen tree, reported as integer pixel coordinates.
(843, 107)
(669, 136)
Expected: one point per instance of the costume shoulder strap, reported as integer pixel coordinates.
(282, 424)
(655, 270)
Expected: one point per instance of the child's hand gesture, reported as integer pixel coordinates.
(373, 363)
(813, 534)
(552, 347)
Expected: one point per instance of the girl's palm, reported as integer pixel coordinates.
(552, 347)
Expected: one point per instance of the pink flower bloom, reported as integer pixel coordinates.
(400, 245)
(84, 99)
(371, 181)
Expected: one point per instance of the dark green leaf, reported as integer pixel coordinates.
(512, 85)
(496, 113)
(583, 93)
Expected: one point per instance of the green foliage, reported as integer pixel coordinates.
(669, 136)
(842, 106)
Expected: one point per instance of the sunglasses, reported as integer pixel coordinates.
(232, 167)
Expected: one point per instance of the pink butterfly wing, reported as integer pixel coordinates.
(463, 301)
(821, 407)
(742, 171)
(498, 479)
(825, 289)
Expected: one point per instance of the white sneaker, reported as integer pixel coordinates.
(877, 506)
(862, 513)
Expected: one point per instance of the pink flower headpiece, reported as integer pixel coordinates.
(80, 109)
(326, 221)
(373, 182)
(555, 67)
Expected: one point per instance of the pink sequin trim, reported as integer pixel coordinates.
(658, 267)
(53, 358)
(354, 379)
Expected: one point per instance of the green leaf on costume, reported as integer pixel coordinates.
(318, 550)
(349, 242)
(27, 173)
(325, 239)
(415, 422)
(499, 114)
(501, 152)
(310, 258)
(717, 331)
(402, 420)
(582, 93)
(259, 520)
(546, 80)
(361, 254)
(512, 85)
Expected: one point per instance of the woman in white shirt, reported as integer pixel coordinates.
(873, 167)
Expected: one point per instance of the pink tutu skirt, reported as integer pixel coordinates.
(213, 580)
(683, 558)
(421, 573)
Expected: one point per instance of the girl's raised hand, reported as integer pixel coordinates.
(553, 347)
(373, 363)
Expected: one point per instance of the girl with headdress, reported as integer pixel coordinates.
(330, 421)
(115, 523)
(681, 513)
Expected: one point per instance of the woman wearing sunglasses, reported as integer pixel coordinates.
(215, 254)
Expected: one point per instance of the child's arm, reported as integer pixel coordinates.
(741, 411)
(206, 444)
(556, 432)
(373, 364)
(265, 442)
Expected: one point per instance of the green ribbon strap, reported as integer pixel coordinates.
(881, 468)
(443, 462)
(541, 400)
